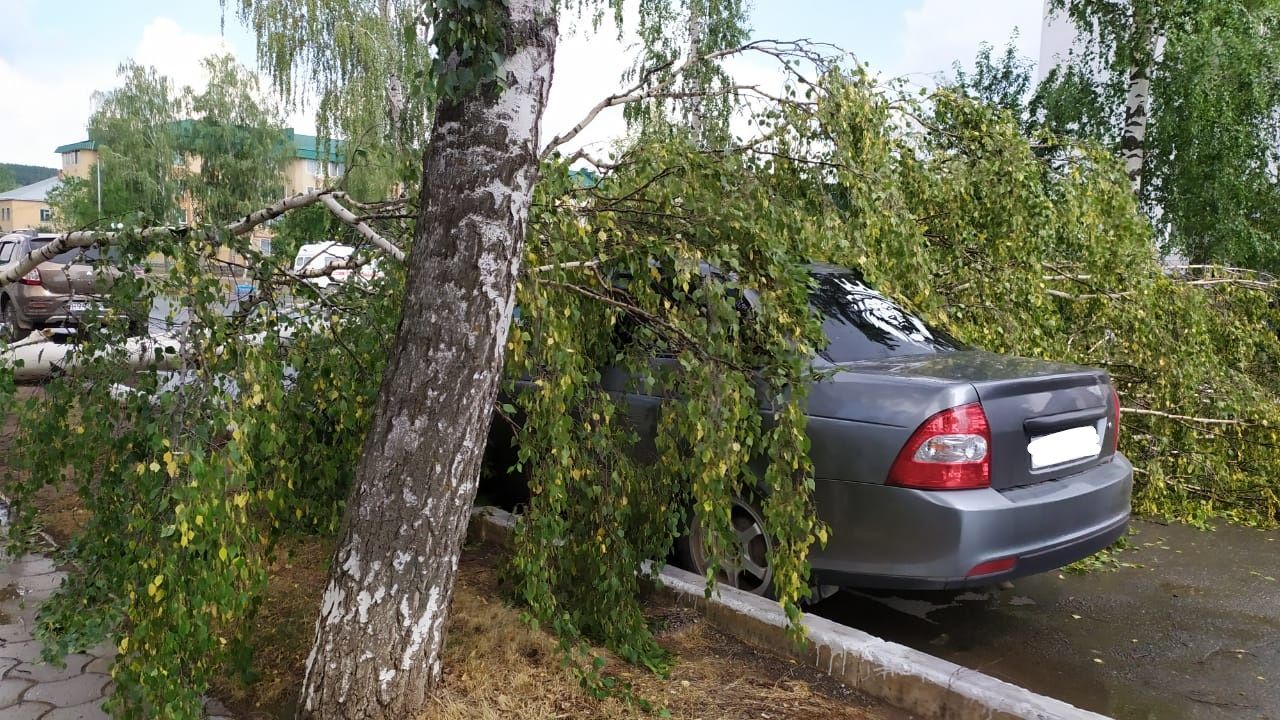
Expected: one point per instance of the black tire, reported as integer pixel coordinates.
(752, 572)
(749, 570)
(9, 326)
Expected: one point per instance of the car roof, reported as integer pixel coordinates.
(330, 246)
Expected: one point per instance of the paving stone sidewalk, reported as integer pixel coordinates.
(29, 688)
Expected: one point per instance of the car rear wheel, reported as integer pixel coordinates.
(10, 329)
(752, 542)
(748, 566)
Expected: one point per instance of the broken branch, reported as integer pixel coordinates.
(87, 238)
(1184, 418)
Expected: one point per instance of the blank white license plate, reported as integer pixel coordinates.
(1064, 446)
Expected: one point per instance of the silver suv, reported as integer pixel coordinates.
(56, 293)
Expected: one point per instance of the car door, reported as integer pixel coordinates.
(641, 399)
(644, 394)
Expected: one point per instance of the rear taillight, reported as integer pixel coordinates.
(32, 278)
(1115, 408)
(950, 451)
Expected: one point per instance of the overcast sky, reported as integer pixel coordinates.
(56, 53)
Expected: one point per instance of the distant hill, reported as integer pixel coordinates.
(21, 175)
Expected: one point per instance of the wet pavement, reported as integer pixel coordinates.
(31, 689)
(1192, 632)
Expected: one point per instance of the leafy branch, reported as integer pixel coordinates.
(212, 235)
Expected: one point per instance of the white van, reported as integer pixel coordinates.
(314, 256)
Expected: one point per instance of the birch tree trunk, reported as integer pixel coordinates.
(1133, 136)
(1137, 102)
(381, 627)
(395, 89)
(696, 26)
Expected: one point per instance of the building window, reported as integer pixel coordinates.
(75, 157)
(46, 214)
(266, 246)
(313, 167)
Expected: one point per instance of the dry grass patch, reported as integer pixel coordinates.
(497, 667)
(59, 512)
(282, 632)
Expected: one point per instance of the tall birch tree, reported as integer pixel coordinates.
(487, 74)
(1198, 125)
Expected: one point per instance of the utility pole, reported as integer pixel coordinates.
(97, 166)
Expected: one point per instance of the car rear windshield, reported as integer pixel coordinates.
(74, 256)
(862, 324)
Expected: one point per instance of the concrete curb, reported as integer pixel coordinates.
(927, 686)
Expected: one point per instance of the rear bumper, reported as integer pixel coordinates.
(41, 308)
(54, 310)
(890, 537)
(56, 320)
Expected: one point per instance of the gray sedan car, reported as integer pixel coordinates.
(936, 466)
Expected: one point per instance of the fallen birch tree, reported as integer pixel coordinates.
(372, 423)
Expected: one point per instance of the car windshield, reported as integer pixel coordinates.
(74, 256)
(862, 324)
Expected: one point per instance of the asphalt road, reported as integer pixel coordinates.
(1191, 631)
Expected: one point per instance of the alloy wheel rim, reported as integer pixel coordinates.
(748, 569)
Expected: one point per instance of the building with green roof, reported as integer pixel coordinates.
(312, 163)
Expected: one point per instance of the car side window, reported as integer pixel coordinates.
(6, 251)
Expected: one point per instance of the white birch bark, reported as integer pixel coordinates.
(696, 27)
(1137, 101)
(1133, 136)
(381, 627)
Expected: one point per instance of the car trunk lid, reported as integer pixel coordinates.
(73, 279)
(1048, 425)
(1047, 420)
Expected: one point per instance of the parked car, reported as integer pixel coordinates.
(937, 466)
(57, 293)
(314, 256)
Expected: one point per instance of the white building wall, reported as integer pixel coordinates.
(1057, 40)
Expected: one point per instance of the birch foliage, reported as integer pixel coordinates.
(1209, 151)
(941, 201)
